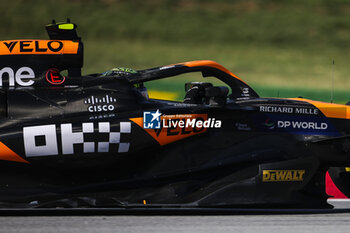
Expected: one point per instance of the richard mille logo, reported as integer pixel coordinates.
(100, 104)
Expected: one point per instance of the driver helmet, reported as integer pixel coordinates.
(119, 71)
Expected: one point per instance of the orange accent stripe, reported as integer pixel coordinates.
(212, 64)
(163, 137)
(21, 47)
(9, 155)
(329, 109)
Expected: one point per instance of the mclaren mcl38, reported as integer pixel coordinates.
(98, 140)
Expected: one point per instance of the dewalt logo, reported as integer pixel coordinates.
(283, 175)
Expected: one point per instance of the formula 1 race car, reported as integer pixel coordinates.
(99, 141)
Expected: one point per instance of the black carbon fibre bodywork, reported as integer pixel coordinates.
(84, 143)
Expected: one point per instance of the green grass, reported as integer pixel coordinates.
(280, 48)
(278, 23)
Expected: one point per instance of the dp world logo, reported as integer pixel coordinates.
(151, 120)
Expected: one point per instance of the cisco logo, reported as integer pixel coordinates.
(100, 104)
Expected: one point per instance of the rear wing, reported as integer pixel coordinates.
(21, 61)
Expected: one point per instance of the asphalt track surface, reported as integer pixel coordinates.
(254, 223)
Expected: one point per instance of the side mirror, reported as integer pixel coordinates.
(201, 85)
(217, 95)
(195, 92)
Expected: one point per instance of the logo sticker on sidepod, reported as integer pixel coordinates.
(298, 124)
(42, 140)
(176, 127)
(101, 104)
(283, 175)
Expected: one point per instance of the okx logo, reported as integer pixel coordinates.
(151, 120)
